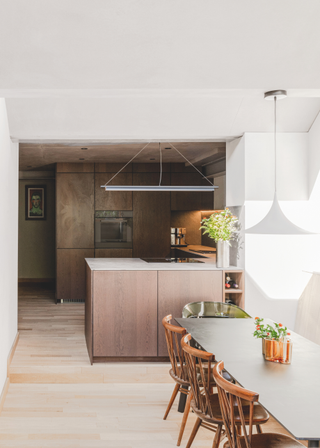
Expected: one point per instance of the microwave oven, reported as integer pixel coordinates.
(113, 229)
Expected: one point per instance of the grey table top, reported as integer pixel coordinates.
(291, 393)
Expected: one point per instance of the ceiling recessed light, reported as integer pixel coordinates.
(84, 149)
(81, 159)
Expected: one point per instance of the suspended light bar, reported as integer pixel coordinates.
(156, 188)
(159, 187)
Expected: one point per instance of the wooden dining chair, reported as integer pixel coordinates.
(205, 403)
(237, 404)
(178, 369)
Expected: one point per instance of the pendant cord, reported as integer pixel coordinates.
(191, 164)
(160, 179)
(126, 165)
(275, 144)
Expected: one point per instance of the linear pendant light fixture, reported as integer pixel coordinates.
(275, 222)
(159, 187)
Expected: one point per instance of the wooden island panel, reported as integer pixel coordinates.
(124, 314)
(88, 313)
(178, 288)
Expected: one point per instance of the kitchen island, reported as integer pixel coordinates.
(126, 300)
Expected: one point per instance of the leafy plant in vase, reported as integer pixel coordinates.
(220, 226)
(276, 342)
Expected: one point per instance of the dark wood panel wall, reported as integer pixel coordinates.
(75, 210)
(79, 194)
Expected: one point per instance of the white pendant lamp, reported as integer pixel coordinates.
(275, 222)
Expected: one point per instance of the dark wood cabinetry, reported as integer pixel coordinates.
(112, 200)
(75, 210)
(113, 253)
(178, 288)
(151, 217)
(189, 200)
(74, 227)
(151, 224)
(71, 269)
(124, 313)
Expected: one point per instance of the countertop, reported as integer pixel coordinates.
(136, 264)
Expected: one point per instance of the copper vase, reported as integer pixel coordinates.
(278, 351)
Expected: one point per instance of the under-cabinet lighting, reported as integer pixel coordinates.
(157, 188)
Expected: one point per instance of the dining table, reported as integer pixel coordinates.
(289, 392)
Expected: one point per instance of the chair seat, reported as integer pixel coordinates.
(260, 415)
(177, 379)
(270, 440)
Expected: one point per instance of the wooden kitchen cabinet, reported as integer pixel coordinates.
(112, 200)
(151, 218)
(124, 313)
(113, 253)
(151, 224)
(189, 200)
(71, 268)
(75, 210)
(178, 288)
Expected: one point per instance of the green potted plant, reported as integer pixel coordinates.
(220, 226)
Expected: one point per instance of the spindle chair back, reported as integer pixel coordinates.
(230, 398)
(173, 335)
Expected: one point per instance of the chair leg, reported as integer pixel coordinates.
(173, 396)
(185, 417)
(194, 432)
(217, 437)
(259, 430)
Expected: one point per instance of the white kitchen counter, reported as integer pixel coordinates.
(137, 264)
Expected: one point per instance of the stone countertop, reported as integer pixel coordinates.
(137, 264)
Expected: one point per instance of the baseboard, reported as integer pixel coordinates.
(104, 359)
(36, 280)
(11, 353)
(4, 393)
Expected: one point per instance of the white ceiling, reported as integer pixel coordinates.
(144, 69)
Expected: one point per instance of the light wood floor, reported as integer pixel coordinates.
(57, 399)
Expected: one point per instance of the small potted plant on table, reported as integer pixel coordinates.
(276, 343)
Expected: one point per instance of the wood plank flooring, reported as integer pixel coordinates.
(57, 399)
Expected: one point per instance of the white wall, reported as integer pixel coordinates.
(8, 241)
(275, 264)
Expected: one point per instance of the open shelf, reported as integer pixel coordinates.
(236, 295)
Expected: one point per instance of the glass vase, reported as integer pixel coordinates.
(278, 351)
(286, 351)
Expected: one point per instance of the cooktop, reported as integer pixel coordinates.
(171, 260)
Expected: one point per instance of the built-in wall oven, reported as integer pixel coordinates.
(113, 229)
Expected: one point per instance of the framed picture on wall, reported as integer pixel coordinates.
(36, 206)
